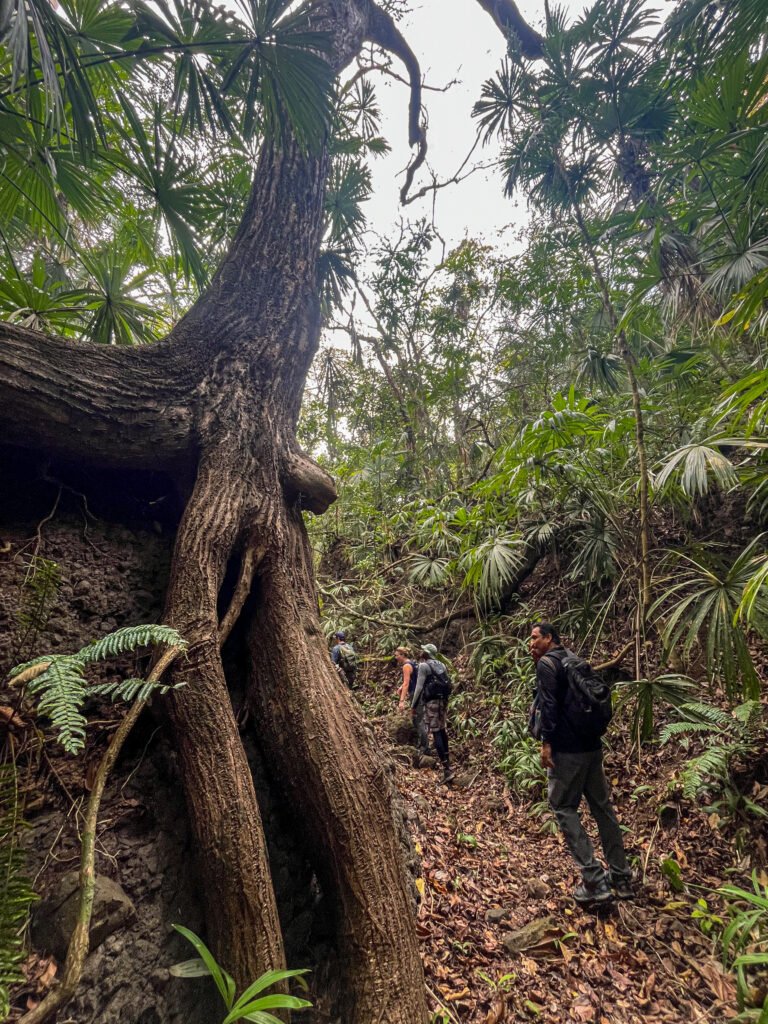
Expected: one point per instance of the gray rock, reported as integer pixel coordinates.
(54, 920)
(424, 761)
(464, 780)
(422, 806)
(537, 888)
(404, 755)
(495, 914)
(535, 933)
(401, 731)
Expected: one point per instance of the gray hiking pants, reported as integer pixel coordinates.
(422, 735)
(581, 775)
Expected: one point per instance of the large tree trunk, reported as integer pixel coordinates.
(316, 740)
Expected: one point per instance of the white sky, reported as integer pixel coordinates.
(453, 39)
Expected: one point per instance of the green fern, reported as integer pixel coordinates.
(129, 689)
(16, 893)
(710, 767)
(38, 595)
(62, 689)
(698, 717)
(128, 639)
(685, 728)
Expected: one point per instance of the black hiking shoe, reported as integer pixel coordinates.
(623, 889)
(595, 892)
(448, 776)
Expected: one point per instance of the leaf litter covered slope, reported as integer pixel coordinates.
(491, 874)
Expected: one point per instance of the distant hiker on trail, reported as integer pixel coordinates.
(344, 657)
(569, 715)
(430, 698)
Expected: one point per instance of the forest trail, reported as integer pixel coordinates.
(484, 858)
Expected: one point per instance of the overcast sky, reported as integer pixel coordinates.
(453, 39)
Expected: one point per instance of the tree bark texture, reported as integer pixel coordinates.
(316, 740)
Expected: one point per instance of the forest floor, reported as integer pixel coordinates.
(503, 940)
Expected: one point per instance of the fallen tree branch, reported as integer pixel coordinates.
(79, 942)
(410, 627)
(616, 659)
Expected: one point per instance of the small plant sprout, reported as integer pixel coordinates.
(252, 1005)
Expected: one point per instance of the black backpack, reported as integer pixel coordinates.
(587, 704)
(438, 685)
(589, 708)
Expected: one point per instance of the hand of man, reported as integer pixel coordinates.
(401, 706)
(547, 761)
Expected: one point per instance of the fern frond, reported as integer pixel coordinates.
(62, 689)
(711, 766)
(128, 639)
(748, 713)
(685, 728)
(708, 714)
(16, 893)
(130, 689)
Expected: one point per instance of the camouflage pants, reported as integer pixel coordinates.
(435, 715)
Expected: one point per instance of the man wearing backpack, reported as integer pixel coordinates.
(430, 698)
(570, 717)
(344, 657)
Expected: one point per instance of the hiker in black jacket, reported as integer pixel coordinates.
(574, 763)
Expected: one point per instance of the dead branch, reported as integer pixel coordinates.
(411, 627)
(251, 558)
(383, 31)
(616, 659)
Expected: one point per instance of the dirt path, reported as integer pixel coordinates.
(489, 871)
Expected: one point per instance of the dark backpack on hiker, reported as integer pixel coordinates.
(348, 661)
(587, 704)
(534, 718)
(589, 708)
(438, 685)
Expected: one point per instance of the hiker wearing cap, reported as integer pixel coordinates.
(344, 657)
(430, 699)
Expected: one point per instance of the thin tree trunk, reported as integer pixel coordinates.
(642, 459)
